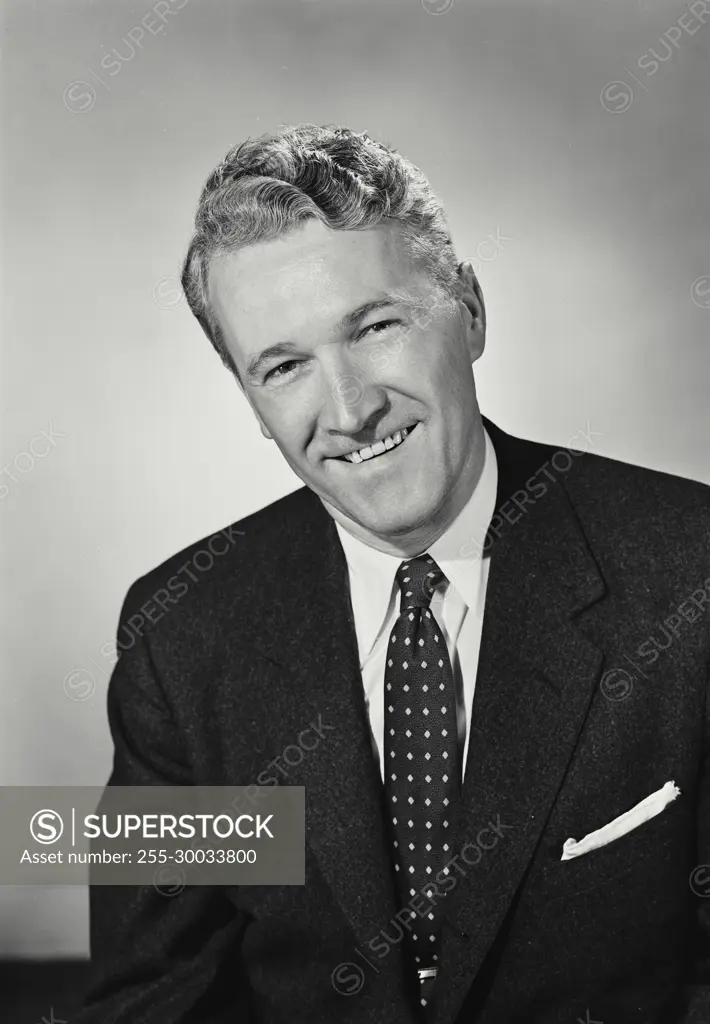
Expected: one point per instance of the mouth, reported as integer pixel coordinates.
(378, 449)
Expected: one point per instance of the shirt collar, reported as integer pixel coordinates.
(372, 572)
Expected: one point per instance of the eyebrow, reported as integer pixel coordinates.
(346, 323)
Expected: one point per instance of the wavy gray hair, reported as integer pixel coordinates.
(265, 187)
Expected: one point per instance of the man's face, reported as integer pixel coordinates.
(328, 372)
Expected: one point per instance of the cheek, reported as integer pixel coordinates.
(449, 372)
(452, 395)
(287, 418)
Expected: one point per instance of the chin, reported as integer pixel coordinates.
(398, 522)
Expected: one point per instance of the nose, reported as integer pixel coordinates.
(352, 397)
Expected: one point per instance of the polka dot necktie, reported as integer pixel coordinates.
(422, 772)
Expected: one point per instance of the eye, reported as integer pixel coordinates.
(282, 370)
(380, 326)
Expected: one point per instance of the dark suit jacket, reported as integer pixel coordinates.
(583, 707)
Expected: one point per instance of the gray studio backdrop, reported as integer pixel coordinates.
(569, 142)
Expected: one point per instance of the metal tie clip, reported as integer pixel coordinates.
(427, 972)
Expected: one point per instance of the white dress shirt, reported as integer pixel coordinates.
(456, 605)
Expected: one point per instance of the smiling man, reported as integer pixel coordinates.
(507, 818)
(393, 446)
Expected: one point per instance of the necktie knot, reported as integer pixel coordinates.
(417, 579)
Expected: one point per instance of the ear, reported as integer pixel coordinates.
(262, 426)
(471, 296)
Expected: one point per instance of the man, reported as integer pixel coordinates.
(499, 651)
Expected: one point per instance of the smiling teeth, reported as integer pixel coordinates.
(369, 451)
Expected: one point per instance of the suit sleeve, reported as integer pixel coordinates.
(697, 989)
(155, 957)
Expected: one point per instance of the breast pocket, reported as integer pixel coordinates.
(649, 849)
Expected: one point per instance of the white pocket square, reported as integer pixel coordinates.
(648, 808)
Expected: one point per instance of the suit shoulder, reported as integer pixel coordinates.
(638, 490)
(605, 486)
(642, 521)
(208, 563)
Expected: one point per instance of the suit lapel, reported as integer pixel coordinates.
(536, 677)
(308, 631)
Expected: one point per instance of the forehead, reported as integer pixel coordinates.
(311, 274)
